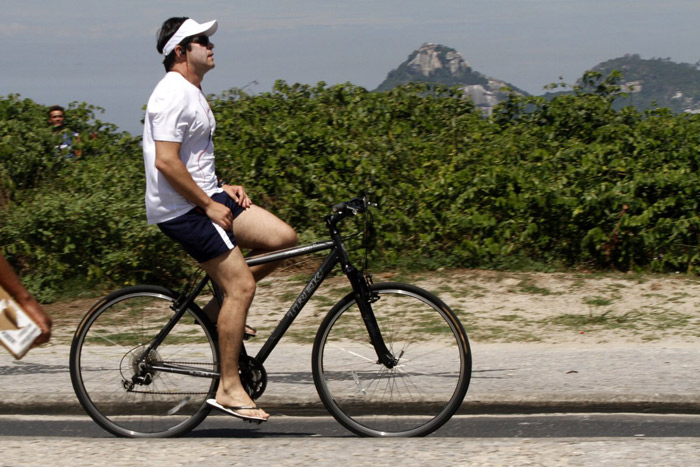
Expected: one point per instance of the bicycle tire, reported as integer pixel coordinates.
(414, 398)
(102, 364)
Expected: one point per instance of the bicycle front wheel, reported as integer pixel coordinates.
(420, 393)
(132, 399)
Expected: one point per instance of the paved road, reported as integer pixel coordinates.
(506, 379)
(337, 452)
(572, 440)
(463, 426)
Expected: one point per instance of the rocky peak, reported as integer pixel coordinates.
(432, 57)
(435, 63)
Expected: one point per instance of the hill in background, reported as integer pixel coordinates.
(438, 64)
(647, 82)
(656, 80)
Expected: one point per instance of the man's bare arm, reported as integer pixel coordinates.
(169, 164)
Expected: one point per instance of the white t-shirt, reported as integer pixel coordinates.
(177, 111)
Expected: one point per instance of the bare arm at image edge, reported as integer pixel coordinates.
(11, 283)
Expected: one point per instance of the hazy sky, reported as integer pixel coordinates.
(103, 52)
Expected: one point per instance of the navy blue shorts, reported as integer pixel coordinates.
(200, 237)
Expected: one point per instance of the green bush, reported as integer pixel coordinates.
(78, 219)
(565, 182)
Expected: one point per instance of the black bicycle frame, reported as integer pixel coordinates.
(337, 255)
(359, 285)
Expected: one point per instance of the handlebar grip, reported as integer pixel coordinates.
(353, 206)
(348, 208)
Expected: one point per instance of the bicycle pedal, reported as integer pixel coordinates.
(249, 335)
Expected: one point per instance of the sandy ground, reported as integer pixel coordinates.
(498, 307)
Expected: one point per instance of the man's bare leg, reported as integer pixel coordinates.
(260, 231)
(236, 281)
(211, 309)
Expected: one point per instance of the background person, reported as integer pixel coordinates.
(66, 137)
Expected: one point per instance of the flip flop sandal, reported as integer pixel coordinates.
(232, 411)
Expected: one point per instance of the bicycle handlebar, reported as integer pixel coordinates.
(348, 208)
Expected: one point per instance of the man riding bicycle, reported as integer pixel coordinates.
(185, 200)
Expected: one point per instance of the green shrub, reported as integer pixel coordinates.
(564, 182)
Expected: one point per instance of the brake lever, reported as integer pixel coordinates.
(354, 205)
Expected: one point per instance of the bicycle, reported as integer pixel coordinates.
(389, 359)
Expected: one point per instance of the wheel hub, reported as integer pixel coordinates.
(137, 370)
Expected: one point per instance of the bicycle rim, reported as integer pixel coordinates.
(107, 346)
(421, 392)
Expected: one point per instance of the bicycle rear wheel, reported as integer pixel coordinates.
(421, 392)
(103, 361)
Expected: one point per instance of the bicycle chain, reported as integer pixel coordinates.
(255, 390)
(189, 363)
(166, 393)
(172, 393)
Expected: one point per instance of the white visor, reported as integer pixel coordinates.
(189, 28)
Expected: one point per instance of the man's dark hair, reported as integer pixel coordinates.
(166, 31)
(54, 108)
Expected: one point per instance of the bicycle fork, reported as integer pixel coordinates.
(364, 298)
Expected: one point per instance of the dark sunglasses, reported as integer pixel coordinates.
(201, 40)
